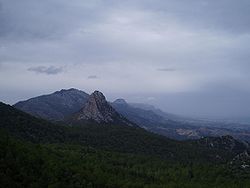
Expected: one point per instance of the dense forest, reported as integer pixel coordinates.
(25, 164)
(37, 153)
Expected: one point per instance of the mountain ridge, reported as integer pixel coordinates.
(61, 105)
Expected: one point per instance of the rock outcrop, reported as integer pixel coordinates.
(98, 110)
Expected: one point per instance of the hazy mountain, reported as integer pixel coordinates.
(232, 123)
(55, 106)
(158, 111)
(175, 126)
(144, 118)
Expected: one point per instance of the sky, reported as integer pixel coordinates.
(185, 57)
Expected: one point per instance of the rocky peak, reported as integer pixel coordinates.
(98, 96)
(98, 109)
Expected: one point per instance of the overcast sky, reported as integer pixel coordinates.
(186, 57)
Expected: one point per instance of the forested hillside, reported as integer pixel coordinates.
(37, 153)
(34, 165)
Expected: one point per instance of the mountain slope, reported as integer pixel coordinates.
(55, 106)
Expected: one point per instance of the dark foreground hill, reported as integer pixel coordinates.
(26, 164)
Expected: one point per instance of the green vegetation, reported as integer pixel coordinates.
(25, 164)
(37, 153)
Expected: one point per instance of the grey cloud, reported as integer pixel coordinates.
(51, 70)
(230, 16)
(166, 69)
(58, 31)
(33, 19)
(92, 77)
(128, 42)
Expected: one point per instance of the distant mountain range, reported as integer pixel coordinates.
(77, 105)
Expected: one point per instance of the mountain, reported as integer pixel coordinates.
(55, 106)
(98, 110)
(62, 105)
